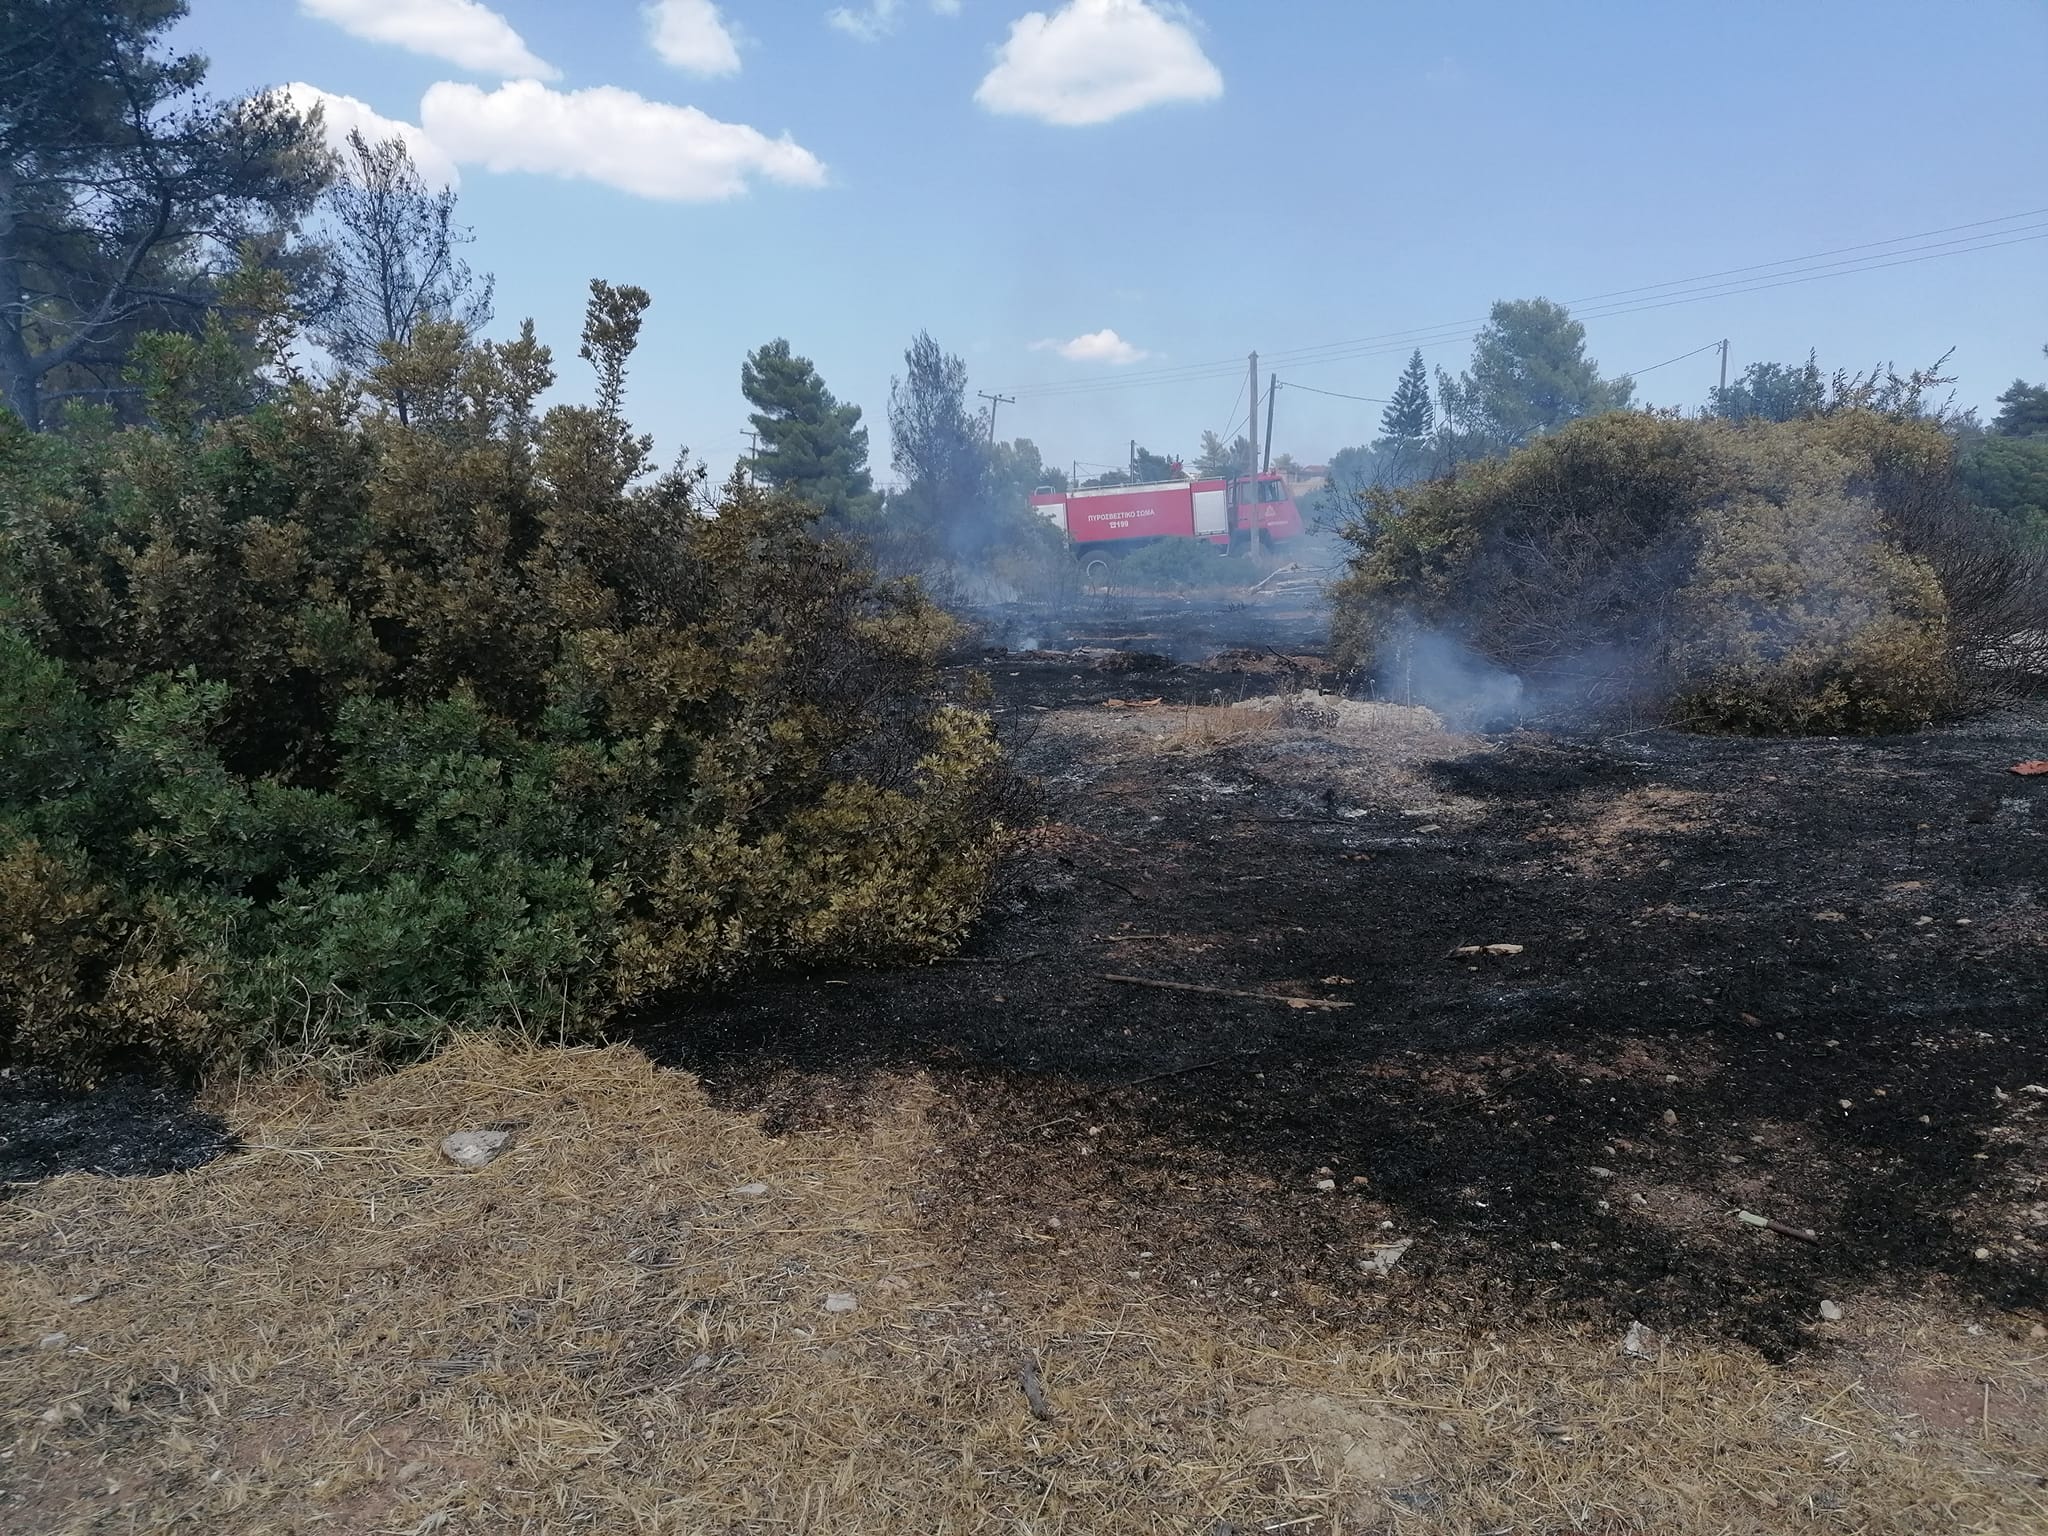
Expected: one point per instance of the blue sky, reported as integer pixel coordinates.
(1200, 180)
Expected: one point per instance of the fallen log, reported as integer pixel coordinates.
(1263, 997)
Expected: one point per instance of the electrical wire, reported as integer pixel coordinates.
(1763, 276)
(1695, 352)
(1339, 395)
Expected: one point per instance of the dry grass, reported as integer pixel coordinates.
(336, 1330)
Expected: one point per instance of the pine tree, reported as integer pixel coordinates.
(1410, 417)
(2023, 410)
(1220, 460)
(393, 260)
(126, 197)
(811, 445)
(1529, 375)
(939, 447)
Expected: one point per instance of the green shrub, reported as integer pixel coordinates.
(1175, 565)
(1800, 618)
(326, 729)
(1816, 575)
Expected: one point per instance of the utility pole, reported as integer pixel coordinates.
(994, 401)
(1724, 365)
(1254, 398)
(1131, 464)
(1272, 399)
(753, 453)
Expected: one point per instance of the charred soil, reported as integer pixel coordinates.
(1803, 979)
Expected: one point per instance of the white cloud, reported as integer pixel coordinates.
(608, 135)
(1094, 60)
(460, 31)
(878, 18)
(341, 114)
(1096, 347)
(691, 35)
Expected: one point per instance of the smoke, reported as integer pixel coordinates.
(1429, 667)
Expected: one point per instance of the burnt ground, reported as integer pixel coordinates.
(1800, 978)
(132, 1125)
(1807, 979)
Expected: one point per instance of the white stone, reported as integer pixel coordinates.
(752, 1191)
(842, 1301)
(474, 1149)
(1830, 1312)
(1381, 1261)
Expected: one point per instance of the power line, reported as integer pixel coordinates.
(1336, 394)
(1695, 352)
(1704, 286)
(1707, 282)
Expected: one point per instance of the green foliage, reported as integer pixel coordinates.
(352, 730)
(1822, 574)
(1529, 375)
(1410, 416)
(940, 450)
(126, 198)
(810, 445)
(1148, 467)
(2008, 478)
(1176, 565)
(1218, 460)
(392, 262)
(1772, 392)
(2023, 410)
(1799, 618)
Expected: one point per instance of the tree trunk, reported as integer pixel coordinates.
(17, 371)
(22, 395)
(20, 380)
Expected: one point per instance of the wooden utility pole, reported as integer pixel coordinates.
(753, 453)
(1254, 398)
(1272, 399)
(994, 401)
(1724, 364)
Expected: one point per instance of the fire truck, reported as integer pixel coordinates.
(1232, 515)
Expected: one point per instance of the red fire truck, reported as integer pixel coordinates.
(1255, 510)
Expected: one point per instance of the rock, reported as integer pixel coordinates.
(1326, 1185)
(1638, 1343)
(1671, 1117)
(2037, 1333)
(842, 1302)
(1983, 1253)
(1830, 1312)
(1381, 1261)
(53, 1341)
(474, 1149)
(1601, 1173)
(751, 1191)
